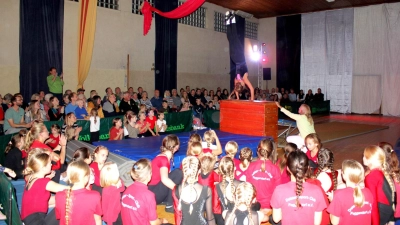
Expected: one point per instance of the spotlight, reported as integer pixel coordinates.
(255, 56)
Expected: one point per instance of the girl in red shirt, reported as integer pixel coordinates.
(353, 204)
(163, 181)
(144, 126)
(111, 196)
(380, 183)
(151, 119)
(54, 137)
(100, 157)
(264, 175)
(226, 188)
(325, 172)
(194, 149)
(77, 205)
(138, 204)
(116, 131)
(36, 197)
(313, 144)
(241, 165)
(281, 163)
(297, 202)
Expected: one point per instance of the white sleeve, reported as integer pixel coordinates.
(325, 180)
(125, 131)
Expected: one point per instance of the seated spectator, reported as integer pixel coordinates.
(128, 104)
(118, 94)
(309, 97)
(65, 100)
(92, 94)
(219, 94)
(185, 107)
(216, 102)
(200, 95)
(70, 128)
(267, 93)
(135, 98)
(151, 119)
(130, 91)
(108, 93)
(185, 98)
(116, 131)
(80, 110)
(6, 101)
(198, 108)
(55, 112)
(273, 97)
(211, 106)
(142, 109)
(35, 113)
(161, 125)
(68, 92)
(72, 103)
(13, 153)
(168, 98)
(285, 98)
(81, 91)
(46, 104)
(279, 95)
(54, 137)
(283, 91)
(36, 97)
(318, 97)
(96, 104)
(206, 95)
(176, 100)
(301, 96)
(140, 92)
(145, 100)
(165, 108)
(144, 126)
(225, 94)
(192, 97)
(110, 107)
(292, 95)
(131, 127)
(263, 97)
(156, 101)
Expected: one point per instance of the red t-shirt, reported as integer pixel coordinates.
(239, 173)
(311, 200)
(374, 181)
(85, 204)
(36, 199)
(397, 211)
(96, 171)
(314, 159)
(342, 206)
(111, 203)
(265, 181)
(152, 122)
(157, 163)
(138, 205)
(1, 113)
(113, 133)
(326, 220)
(38, 144)
(54, 141)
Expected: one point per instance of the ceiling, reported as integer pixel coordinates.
(273, 8)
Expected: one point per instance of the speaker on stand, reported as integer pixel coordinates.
(267, 75)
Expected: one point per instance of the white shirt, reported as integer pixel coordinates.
(94, 127)
(160, 123)
(212, 147)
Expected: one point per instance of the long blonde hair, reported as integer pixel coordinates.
(231, 151)
(37, 159)
(190, 169)
(307, 112)
(33, 134)
(244, 194)
(355, 173)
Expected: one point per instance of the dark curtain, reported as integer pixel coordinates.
(166, 47)
(40, 43)
(288, 46)
(239, 33)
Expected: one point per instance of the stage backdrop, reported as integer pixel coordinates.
(40, 43)
(327, 56)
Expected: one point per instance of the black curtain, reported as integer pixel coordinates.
(239, 34)
(166, 47)
(40, 43)
(288, 46)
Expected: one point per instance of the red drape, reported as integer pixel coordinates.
(184, 10)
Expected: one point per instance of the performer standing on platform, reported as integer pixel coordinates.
(304, 122)
(236, 52)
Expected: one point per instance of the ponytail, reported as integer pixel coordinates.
(358, 196)
(13, 142)
(68, 205)
(298, 165)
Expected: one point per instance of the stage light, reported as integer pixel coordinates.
(264, 59)
(255, 56)
(263, 44)
(255, 48)
(264, 52)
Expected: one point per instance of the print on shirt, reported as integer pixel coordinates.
(309, 201)
(257, 176)
(134, 207)
(356, 211)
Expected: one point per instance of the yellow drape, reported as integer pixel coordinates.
(87, 29)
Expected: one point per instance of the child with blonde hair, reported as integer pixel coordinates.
(100, 158)
(111, 196)
(245, 158)
(353, 204)
(77, 205)
(226, 188)
(194, 149)
(241, 213)
(209, 138)
(138, 204)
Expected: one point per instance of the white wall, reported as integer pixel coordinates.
(203, 54)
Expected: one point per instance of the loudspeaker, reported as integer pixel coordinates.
(267, 73)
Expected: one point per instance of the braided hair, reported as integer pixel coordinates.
(190, 169)
(244, 194)
(391, 160)
(266, 150)
(245, 157)
(297, 163)
(325, 160)
(227, 169)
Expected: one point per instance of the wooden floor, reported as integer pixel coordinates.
(352, 148)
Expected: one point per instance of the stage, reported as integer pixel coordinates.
(149, 147)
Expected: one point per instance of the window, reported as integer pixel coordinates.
(109, 4)
(251, 30)
(196, 19)
(219, 22)
(136, 6)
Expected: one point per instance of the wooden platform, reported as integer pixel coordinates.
(258, 118)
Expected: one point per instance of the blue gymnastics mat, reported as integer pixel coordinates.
(149, 147)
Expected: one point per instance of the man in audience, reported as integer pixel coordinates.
(68, 92)
(176, 100)
(110, 107)
(55, 83)
(199, 94)
(188, 89)
(292, 95)
(6, 101)
(277, 94)
(14, 117)
(156, 101)
(128, 104)
(92, 94)
(108, 93)
(118, 93)
(318, 97)
(139, 93)
(72, 103)
(192, 97)
(135, 98)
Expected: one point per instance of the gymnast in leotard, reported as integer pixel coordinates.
(236, 53)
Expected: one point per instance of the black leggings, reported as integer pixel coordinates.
(41, 219)
(162, 192)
